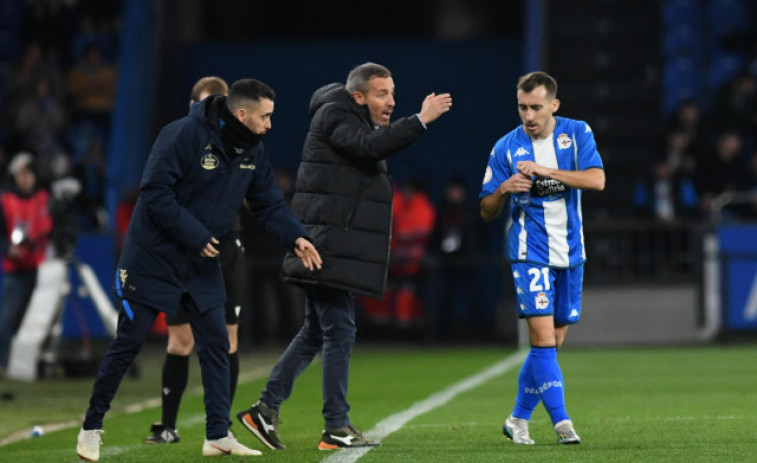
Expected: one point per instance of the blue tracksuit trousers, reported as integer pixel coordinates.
(212, 345)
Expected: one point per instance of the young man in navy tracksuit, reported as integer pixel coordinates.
(200, 169)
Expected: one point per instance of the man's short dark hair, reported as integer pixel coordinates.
(359, 77)
(211, 84)
(534, 79)
(245, 90)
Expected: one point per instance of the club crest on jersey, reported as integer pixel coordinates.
(209, 161)
(564, 141)
(542, 302)
(520, 152)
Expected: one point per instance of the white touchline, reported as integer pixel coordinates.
(396, 421)
(24, 434)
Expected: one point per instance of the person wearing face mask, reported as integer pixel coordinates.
(200, 169)
(25, 227)
(343, 196)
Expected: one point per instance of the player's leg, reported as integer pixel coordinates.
(134, 324)
(336, 314)
(233, 359)
(262, 419)
(174, 378)
(212, 346)
(234, 269)
(530, 282)
(569, 284)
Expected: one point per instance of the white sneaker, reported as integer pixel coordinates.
(226, 446)
(566, 434)
(516, 429)
(88, 444)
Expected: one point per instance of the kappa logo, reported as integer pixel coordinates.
(520, 152)
(209, 161)
(573, 313)
(542, 302)
(123, 275)
(563, 141)
(588, 129)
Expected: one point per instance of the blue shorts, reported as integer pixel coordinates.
(542, 291)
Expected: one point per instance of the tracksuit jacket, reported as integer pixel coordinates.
(190, 191)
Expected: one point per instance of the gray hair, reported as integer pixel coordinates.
(359, 77)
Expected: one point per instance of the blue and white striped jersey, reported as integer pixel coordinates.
(546, 224)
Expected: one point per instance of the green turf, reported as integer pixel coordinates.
(661, 405)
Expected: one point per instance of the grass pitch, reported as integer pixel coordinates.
(628, 405)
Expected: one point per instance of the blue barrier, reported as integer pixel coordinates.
(738, 257)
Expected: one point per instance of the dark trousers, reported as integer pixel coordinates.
(17, 292)
(211, 344)
(329, 326)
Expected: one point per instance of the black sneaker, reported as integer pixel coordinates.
(162, 434)
(346, 437)
(263, 422)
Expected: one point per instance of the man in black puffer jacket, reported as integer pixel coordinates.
(344, 198)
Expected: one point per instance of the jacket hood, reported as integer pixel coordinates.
(207, 109)
(332, 93)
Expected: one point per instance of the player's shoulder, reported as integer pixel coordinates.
(575, 126)
(511, 138)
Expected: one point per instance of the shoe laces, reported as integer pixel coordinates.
(355, 432)
(92, 438)
(275, 420)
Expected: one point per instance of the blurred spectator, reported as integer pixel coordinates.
(726, 171)
(41, 121)
(736, 108)
(21, 83)
(276, 306)
(26, 225)
(52, 23)
(90, 171)
(455, 245)
(413, 217)
(670, 191)
(94, 31)
(91, 86)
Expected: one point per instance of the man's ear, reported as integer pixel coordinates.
(555, 105)
(358, 97)
(239, 113)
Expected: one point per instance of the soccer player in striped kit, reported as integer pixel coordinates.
(543, 165)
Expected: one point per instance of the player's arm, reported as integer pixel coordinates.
(589, 179)
(491, 205)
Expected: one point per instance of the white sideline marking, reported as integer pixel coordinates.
(395, 422)
(24, 434)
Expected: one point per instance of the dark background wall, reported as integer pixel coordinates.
(479, 74)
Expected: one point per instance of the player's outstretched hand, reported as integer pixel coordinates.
(434, 106)
(307, 252)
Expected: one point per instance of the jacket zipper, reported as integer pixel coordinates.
(351, 215)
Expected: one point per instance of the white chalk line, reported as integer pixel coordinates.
(398, 420)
